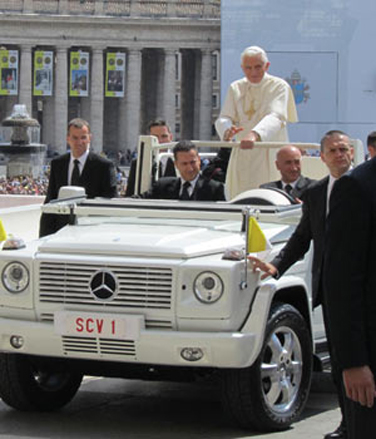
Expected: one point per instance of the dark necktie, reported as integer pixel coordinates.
(185, 194)
(75, 180)
(288, 188)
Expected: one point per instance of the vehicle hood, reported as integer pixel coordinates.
(152, 240)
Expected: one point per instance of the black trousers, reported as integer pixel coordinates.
(336, 372)
(360, 421)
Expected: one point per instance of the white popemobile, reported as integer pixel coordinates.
(136, 288)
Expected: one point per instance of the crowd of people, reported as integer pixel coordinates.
(24, 185)
(27, 185)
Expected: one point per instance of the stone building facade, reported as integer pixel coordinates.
(171, 68)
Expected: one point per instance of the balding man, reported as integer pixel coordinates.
(289, 164)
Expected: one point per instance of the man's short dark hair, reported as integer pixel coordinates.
(328, 135)
(158, 123)
(78, 123)
(371, 139)
(184, 146)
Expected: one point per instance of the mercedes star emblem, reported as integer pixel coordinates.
(103, 285)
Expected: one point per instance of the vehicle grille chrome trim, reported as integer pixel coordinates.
(98, 346)
(158, 324)
(139, 287)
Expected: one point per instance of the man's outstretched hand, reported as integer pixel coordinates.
(266, 267)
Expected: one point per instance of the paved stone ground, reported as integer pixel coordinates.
(115, 408)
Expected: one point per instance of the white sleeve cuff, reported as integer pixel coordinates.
(268, 126)
(222, 124)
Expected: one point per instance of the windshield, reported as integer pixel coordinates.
(160, 222)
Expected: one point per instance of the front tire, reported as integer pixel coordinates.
(36, 384)
(271, 394)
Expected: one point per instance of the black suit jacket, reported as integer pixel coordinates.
(301, 185)
(310, 227)
(350, 267)
(98, 178)
(168, 188)
(168, 172)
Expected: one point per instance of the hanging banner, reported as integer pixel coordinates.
(115, 73)
(9, 72)
(79, 74)
(43, 73)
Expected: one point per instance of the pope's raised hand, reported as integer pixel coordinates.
(231, 133)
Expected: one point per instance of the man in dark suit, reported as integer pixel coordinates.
(337, 153)
(160, 129)
(350, 293)
(190, 185)
(289, 164)
(79, 167)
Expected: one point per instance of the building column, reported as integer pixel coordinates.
(188, 94)
(208, 9)
(28, 6)
(61, 100)
(159, 75)
(63, 7)
(97, 100)
(99, 8)
(169, 88)
(206, 91)
(24, 96)
(197, 94)
(171, 9)
(131, 106)
(134, 8)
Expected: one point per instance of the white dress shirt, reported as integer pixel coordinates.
(191, 187)
(293, 184)
(331, 182)
(81, 160)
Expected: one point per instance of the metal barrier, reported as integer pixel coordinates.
(148, 147)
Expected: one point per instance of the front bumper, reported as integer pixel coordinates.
(220, 349)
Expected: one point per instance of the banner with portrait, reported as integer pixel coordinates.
(115, 75)
(8, 72)
(43, 73)
(79, 74)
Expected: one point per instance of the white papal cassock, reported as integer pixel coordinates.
(266, 108)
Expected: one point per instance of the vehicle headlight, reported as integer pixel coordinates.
(208, 287)
(15, 277)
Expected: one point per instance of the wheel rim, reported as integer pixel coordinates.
(281, 369)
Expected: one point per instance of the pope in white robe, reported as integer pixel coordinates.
(257, 108)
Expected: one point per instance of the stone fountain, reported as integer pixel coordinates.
(20, 150)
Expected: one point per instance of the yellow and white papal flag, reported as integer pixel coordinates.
(256, 240)
(3, 235)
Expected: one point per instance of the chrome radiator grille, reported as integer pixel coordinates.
(138, 287)
(91, 345)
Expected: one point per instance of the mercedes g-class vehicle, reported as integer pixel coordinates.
(159, 289)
